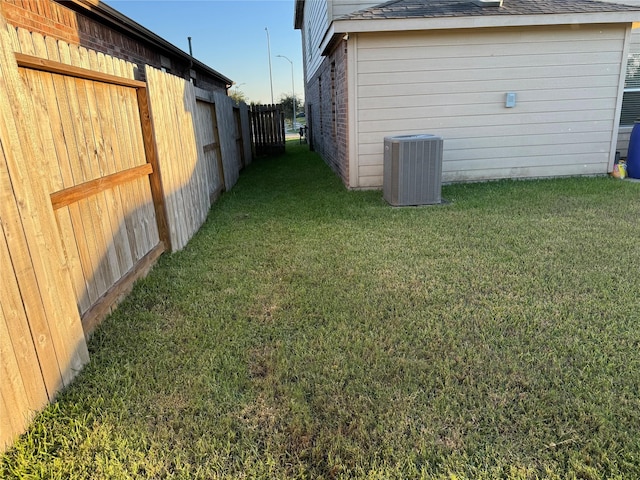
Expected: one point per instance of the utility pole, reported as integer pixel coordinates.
(269, 52)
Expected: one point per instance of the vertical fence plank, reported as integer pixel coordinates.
(246, 133)
(184, 131)
(218, 149)
(18, 333)
(16, 406)
(199, 169)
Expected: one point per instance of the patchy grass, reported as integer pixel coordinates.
(312, 332)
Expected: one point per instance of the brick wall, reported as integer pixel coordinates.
(326, 100)
(54, 20)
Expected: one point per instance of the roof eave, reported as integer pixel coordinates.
(122, 22)
(298, 15)
(484, 21)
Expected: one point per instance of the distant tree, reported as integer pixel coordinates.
(287, 105)
(237, 95)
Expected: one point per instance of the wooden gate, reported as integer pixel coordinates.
(267, 129)
(207, 127)
(103, 183)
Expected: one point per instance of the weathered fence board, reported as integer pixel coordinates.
(245, 128)
(43, 345)
(231, 158)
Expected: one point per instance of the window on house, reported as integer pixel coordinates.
(165, 64)
(631, 96)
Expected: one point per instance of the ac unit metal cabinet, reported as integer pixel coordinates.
(412, 170)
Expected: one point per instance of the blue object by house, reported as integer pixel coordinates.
(633, 155)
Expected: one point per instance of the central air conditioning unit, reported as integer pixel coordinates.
(412, 170)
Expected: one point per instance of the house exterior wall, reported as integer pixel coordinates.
(453, 84)
(54, 20)
(327, 115)
(316, 23)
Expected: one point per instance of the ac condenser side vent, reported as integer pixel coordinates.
(412, 170)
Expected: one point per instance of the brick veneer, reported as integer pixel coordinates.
(54, 20)
(326, 100)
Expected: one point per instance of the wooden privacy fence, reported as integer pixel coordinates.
(267, 129)
(100, 174)
(200, 153)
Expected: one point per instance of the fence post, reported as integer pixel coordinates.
(155, 179)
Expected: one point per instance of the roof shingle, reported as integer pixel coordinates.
(397, 9)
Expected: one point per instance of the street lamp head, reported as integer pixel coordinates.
(286, 58)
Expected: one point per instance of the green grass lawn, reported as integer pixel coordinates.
(312, 332)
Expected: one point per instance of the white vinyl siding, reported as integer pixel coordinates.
(453, 84)
(316, 23)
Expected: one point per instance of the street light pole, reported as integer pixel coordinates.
(293, 92)
(269, 51)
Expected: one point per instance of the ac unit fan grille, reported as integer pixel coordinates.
(412, 170)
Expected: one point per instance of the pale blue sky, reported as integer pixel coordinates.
(230, 36)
